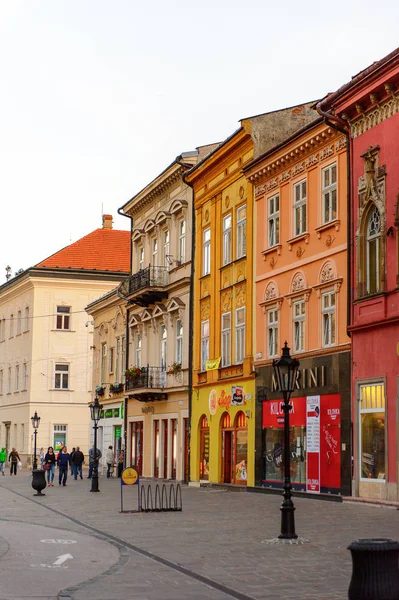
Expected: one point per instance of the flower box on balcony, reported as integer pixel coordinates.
(100, 390)
(116, 388)
(174, 368)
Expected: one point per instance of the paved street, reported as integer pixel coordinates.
(216, 548)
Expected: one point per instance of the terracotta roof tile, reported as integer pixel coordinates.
(102, 250)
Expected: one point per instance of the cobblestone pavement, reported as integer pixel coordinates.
(217, 548)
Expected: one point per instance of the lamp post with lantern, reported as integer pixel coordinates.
(95, 413)
(35, 424)
(38, 475)
(286, 371)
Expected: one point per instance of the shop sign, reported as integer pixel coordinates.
(108, 413)
(273, 413)
(118, 432)
(147, 410)
(237, 395)
(306, 378)
(313, 444)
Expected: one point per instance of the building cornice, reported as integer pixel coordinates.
(374, 116)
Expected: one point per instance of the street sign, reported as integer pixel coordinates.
(129, 476)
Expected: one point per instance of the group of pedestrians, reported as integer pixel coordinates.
(13, 459)
(64, 461)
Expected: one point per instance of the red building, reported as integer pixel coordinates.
(368, 109)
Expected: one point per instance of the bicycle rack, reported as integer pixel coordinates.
(162, 501)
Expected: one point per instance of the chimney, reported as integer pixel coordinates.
(107, 221)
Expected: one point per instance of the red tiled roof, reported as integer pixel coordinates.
(102, 250)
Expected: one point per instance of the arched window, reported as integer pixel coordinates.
(373, 251)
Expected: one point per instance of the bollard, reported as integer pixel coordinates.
(375, 570)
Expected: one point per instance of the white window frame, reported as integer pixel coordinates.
(227, 238)
(154, 252)
(328, 196)
(63, 375)
(26, 318)
(300, 207)
(374, 409)
(103, 364)
(19, 322)
(329, 318)
(179, 341)
(16, 378)
(240, 336)
(64, 315)
(226, 339)
(205, 328)
(373, 239)
(273, 220)
(182, 241)
(137, 349)
(140, 254)
(166, 247)
(272, 332)
(241, 229)
(206, 251)
(299, 325)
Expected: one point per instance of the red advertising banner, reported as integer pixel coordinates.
(313, 444)
(273, 414)
(330, 441)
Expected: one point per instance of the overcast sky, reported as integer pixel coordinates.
(97, 97)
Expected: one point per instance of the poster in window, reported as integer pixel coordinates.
(313, 444)
(237, 395)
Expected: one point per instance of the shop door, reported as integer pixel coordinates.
(165, 447)
(186, 453)
(204, 450)
(136, 445)
(227, 458)
(241, 449)
(173, 423)
(156, 448)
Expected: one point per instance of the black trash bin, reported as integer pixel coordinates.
(375, 570)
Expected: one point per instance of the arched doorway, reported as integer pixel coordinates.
(204, 449)
(234, 449)
(227, 449)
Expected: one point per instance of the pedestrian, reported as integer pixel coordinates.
(3, 458)
(42, 455)
(14, 458)
(72, 453)
(63, 462)
(78, 459)
(92, 460)
(49, 465)
(121, 460)
(109, 459)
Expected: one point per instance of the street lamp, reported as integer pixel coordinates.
(95, 413)
(35, 424)
(286, 370)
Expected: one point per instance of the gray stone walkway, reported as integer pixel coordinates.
(216, 548)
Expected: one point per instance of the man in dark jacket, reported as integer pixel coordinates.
(78, 459)
(63, 462)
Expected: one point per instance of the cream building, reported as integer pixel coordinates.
(46, 341)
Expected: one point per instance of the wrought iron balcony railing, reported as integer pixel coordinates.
(149, 377)
(150, 277)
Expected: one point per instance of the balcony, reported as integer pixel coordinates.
(148, 385)
(145, 287)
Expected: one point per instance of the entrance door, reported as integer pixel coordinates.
(186, 454)
(165, 447)
(174, 447)
(136, 436)
(227, 452)
(204, 449)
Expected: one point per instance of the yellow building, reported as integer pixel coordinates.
(222, 447)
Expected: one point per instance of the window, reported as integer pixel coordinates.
(373, 251)
(329, 193)
(204, 344)
(372, 431)
(122, 365)
(9, 380)
(274, 220)
(328, 318)
(11, 325)
(26, 318)
(241, 231)
(166, 250)
(164, 348)
(19, 322)
(299, 326)
(103, 369)
(179, 341)
(206, 252)
(141, 258)
(61, 377)
(63, 317)
(17, 378)
(227, 240)
(1, 381)
(154, 253)
(22, 445)
(138, 350)
(2, 330)
(240, 334)
(111, 360)
(272, 332)
(25, 376)
(59, 437)
(226, 339)
(117, 358)
(300, 208)
(182, 242)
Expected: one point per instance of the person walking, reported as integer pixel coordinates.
(109, 459)
(42, 454)
(72, 453)
(3, 458)
(77, 459)
(121, 460)
(92, 460)
(49, 459)
(13, 458)
(63, 462)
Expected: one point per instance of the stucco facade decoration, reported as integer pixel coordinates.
(223, 405)
(300, 190)
(157, 304)
(368, 108)
(46, 340)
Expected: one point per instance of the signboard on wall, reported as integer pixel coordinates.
(237, 395)
(313, 444)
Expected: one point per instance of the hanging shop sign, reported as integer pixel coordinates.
(313, 444)
(237, 395)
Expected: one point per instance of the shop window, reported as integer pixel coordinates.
(273, 221)
(59, 437)
(372, 431)
(204, 449)
(274, 454)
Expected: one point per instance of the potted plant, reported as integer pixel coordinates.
(133, 373)
(116, 388)
(100, 390)
(174, 368)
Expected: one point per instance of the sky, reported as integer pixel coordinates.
(98, 97)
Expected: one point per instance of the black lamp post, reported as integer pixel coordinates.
(35, 424)
(286, 370)
(95, 412)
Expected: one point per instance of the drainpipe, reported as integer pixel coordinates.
(125, 407)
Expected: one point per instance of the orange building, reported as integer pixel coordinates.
(300, 190)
